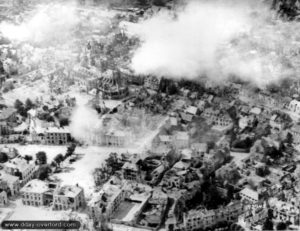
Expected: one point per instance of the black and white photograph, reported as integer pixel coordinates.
(150, 115)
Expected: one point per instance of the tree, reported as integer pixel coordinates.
(70, 150)
(28, 158)
(41, 158)
(159, 2)
(59, 158)
(143, 2)
(18, 104)
(28, 104)
(43, 172)
(113, 162)
(3, 157)
(289, 138)
(63, 122)
(268, 224)
(281, 226)
(20, 108)
(273, 152)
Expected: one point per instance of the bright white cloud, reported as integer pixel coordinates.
(85, 125)
(216, 38)
(49, 23)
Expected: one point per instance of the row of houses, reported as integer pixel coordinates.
(202, 219)
(41, 193)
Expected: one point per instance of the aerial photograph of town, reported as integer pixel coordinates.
(150, 115)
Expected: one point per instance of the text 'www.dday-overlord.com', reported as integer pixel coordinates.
(40, 225)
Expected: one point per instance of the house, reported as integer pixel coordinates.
(223, 120)
(57, 136)
(249, 195)
(181, 140)
(199, 149)
(192, 110)
(10, 152)
(174, 216)
(68, 197)
(104, 203)
(135, 201)
(164, 140)
(38, 193)
(3, 198)
(285, 211)
(21, 168)
(116, 138)
(254, 214)
(267, 100)
(5, 129)
(246, 121)
(186, 117)
(131, 169)
(202, 219)
(210, 115)
(153, 214)
(11, 183)
(85, 78)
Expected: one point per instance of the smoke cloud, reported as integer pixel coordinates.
(218, 39)
(49, 23)
(85, 125)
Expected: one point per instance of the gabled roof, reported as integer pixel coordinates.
(250, 193)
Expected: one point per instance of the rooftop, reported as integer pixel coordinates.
(35, 186)
(18, 163)
(58, 130)
(250, 193)
(8, 178)
(69, 191)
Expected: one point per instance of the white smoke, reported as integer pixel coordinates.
(49, 22)
(219, 39)
(85, 125)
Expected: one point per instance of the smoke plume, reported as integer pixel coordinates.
(218, 39)
(48, 23)
(85, 125)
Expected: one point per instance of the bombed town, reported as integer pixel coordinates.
(150, 115)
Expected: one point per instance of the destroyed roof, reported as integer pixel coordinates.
(250, 193)
(8, 178)
(69, 191)
(186, 117)
(191, 110)
(130, 166)
(186, 154)
(181, 165)
(57, 130)
(18, 163)
(35, 186)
